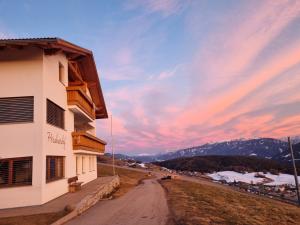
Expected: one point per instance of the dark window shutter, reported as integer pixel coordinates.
(16, 110)
(15, 172)
(55, 115)
(54, 168)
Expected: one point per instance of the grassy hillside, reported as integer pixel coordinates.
(129, 178)
(194, 203)
(209, 164)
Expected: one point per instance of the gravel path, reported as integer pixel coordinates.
(144, 205)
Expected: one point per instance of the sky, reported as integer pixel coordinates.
(180, 73)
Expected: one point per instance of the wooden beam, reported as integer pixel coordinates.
(73, 56)
(52, 51)
(74, 69)
(92, 84)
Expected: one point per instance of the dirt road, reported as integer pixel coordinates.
(144, 205)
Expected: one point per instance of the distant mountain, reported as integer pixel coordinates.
(267, 148)
(210, 164)
(120, 156)
(285, 155)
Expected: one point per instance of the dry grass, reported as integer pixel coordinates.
(108, 160)
(194, 203)
(38, 219)
(129, 178)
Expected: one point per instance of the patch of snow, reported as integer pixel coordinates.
(231, 176)
(281, 179)
(145, 154)
(142, 165)
(288, 155)
(253, 154)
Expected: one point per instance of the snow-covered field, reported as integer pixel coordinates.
(230, 176)
(142, 165)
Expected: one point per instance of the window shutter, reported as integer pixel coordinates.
(54, 168)
(16, 171)
(16, 110)
(55, 115)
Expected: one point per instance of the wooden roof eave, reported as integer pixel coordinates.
(73, 52)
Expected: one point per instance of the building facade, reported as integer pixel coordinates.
(50, 98)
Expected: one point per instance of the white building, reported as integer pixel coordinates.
(50, 98)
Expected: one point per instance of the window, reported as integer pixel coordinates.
(16, 171)
(55, 115)
(61, 71)
(54, 168)
(90, 163)
(83, 164)
(78, 165)
(16, 110)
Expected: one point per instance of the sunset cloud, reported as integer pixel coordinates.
(233, 84)
(180, 73)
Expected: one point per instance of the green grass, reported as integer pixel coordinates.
(194, 203)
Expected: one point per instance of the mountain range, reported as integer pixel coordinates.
(267, 148)
(241, 164)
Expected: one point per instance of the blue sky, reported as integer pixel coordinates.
(179, 73)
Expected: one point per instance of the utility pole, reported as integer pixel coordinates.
(295, 169)
(112, 145)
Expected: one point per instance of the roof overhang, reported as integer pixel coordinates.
(82, 56)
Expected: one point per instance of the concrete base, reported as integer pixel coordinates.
(90, 200)
(70, 199)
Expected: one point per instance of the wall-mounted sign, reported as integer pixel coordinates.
(57, 139)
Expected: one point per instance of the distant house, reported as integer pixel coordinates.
(50, 98)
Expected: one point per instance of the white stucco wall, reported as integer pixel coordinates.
(31, 73)
(20, 75)
(55, 91)
(87, 173)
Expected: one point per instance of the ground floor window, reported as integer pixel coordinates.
(78, 168)
(55, 168)
(16, 171)
(83, 164)
(90, 163)
(94, 160)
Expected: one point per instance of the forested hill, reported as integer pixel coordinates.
(209, 164)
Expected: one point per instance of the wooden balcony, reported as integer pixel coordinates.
(88, 142)
(77, 96)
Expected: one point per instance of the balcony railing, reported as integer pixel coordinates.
(86, 141)
(77, 96)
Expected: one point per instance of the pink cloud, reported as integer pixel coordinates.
(230, 89)
(233, 47)
(124, 56)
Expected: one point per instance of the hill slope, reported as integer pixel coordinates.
(267, 148)
(209, 164)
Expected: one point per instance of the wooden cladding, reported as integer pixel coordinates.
(16, 110)
(54, 168)
(85, 141)
(15, 172)
(55, 115)
(77, 96)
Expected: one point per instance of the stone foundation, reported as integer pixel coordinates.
(102, 191)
